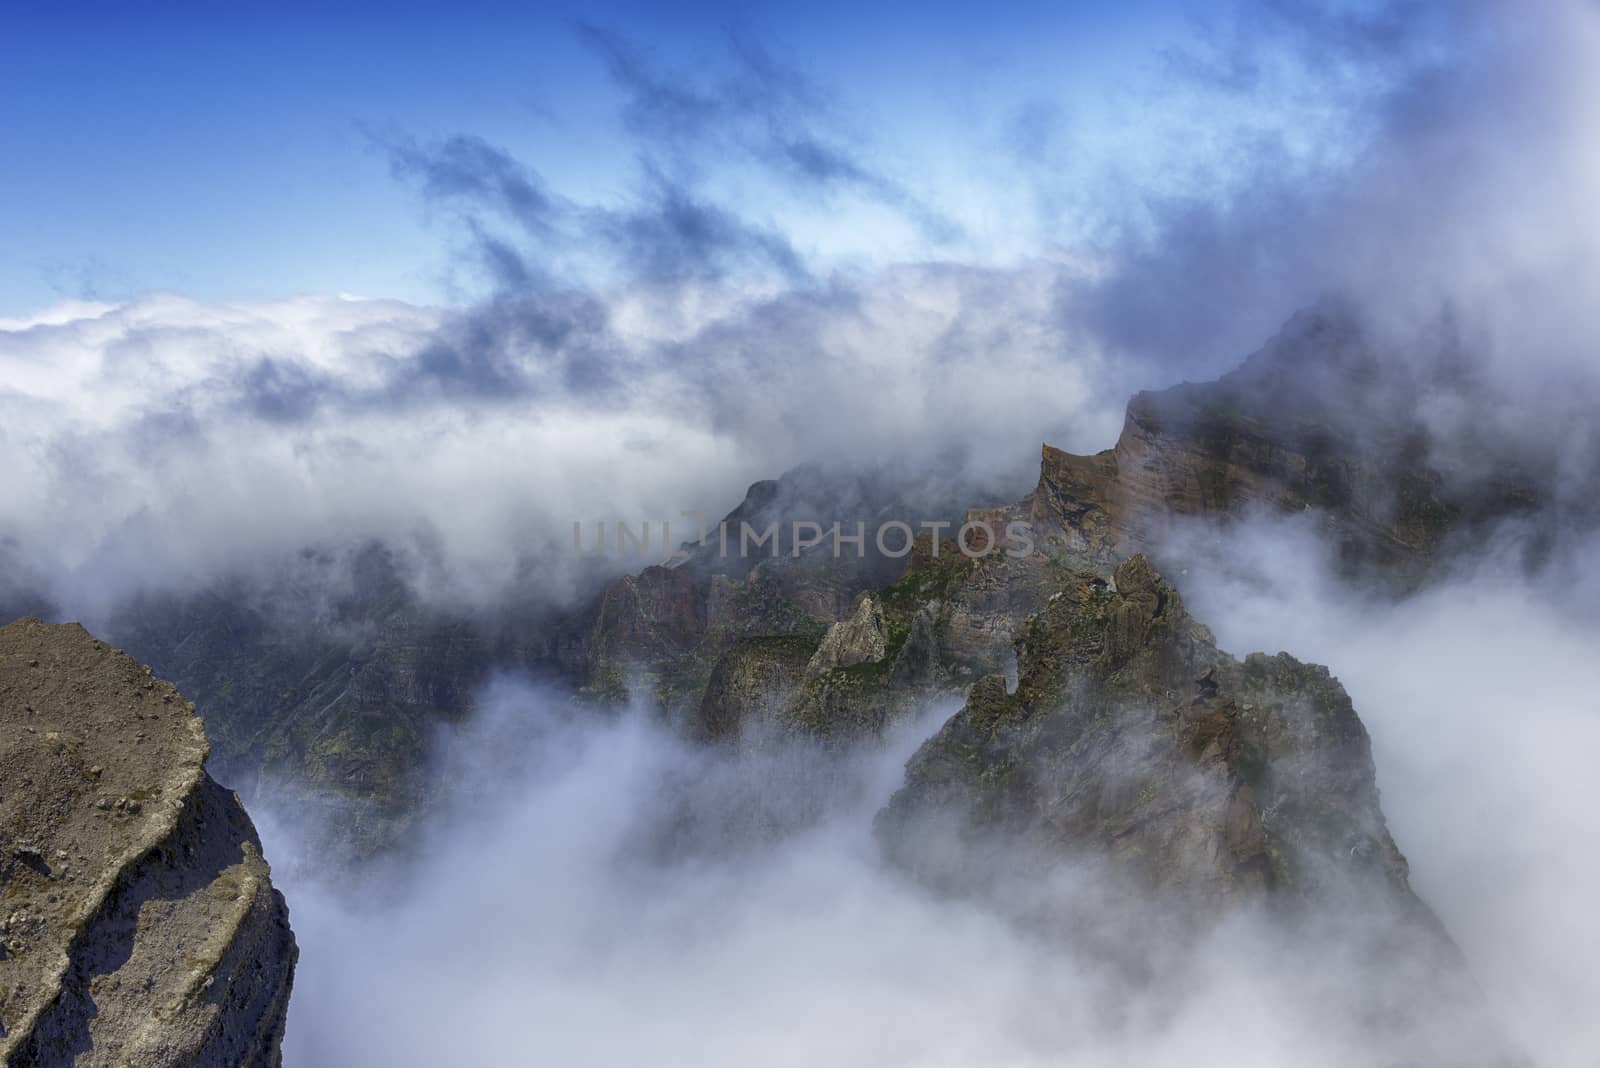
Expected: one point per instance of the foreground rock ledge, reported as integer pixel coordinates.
(138, 923)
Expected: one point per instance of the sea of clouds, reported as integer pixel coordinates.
(1431, 164)
(600, 892)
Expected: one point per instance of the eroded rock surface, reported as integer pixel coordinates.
(1129, 729)
(138, 923)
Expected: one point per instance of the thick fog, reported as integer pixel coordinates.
(173, 443)
(594, 892)
(1483, 700)
(591, 890)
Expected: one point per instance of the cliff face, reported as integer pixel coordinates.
(1128, 729)
(661, 633)
(138, 923)
(1317, 421)
(1181, 788)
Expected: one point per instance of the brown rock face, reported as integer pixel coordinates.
(1129, 729)
(1316, 421)
(138, 923)
(660, 634)
(861, 639)
(751, 686)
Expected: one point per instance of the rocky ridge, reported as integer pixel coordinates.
(338, 705)
(1314, 425)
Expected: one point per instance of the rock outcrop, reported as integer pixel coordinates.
(661, 633)
(138, 922)
(1317, 421)
(1129, 730)
(1182, 788)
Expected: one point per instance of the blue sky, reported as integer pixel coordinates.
(730, 240)
(236, 151)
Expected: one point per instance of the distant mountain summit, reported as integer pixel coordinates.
(1318, 421)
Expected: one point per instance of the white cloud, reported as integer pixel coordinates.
(166, 441)
(1482, 696)
(589, 893)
